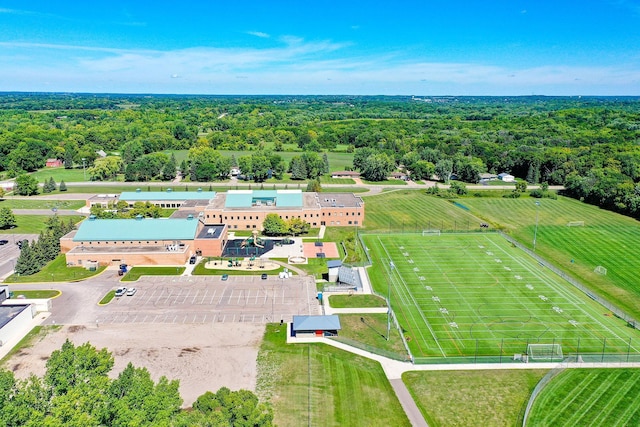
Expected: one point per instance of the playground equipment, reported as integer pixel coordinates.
(254, 240)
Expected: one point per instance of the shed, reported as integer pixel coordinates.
(53, 163)
(315, 325)
(334, 268)
(505, 177)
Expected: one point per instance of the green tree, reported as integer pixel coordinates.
(169, 170)
(378, 167)
(314, 186)
(444, 169)
(26, 262)
(273, 225)
(234, 408)
(26, 185)
(7, 218)
(297, 226)
(68, 159)
(63, 186)
(105, 168)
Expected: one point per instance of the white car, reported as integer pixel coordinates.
(120, 291)
(131, 292)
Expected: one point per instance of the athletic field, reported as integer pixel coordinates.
(475, 296)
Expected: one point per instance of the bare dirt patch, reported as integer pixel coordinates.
(203, 357)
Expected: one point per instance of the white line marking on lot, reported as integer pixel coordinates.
(206, 291)
(175, 318)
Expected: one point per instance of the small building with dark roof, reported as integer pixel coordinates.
(14, 320)
(315, 325)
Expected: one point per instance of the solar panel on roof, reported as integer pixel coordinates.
(319, 244)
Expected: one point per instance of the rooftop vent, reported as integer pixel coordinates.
(139, 217)
(92, 217)
(138, 190)
(189, 217)
(169, 190)
(199, 190)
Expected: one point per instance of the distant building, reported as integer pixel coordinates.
(315, 325)
(488, 177)
(54, 163)
(234, 171)
(399, 175)
(345, 174)
(505, 177)
(101, 153)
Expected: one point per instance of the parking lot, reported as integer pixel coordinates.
(9, 252)
(200, 300)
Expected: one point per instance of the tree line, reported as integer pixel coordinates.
(588, 144)
(77, 390)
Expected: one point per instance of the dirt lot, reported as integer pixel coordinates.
(202, 356)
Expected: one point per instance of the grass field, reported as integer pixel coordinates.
(413, 210)
(36, 294)
(472, 398)
(337, 161)
(318, 385)
(358, 301)
(56, 271)
(467, 296)
(60, 174)
(589, 397)
(34, 224)
(23, 203)
(606, 239)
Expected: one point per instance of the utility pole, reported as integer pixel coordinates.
(535, 230)
(84, 171)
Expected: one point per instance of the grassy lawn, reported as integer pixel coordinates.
(314, 267)
(356, 301)
(354, 189)
(108, 297)
(371, 333)
(337, 161)
(136, 272)
(37, 294)
(38, 333)
(459, 296)
(200, 270)
(346, 236)
(315, 384)
(25, 203)
(606, 239)
(414, 210)
(34, 224)
(56, 271)
(589, 397)
(60, 174)
(328, 180)
(473, 398)
(386, 182)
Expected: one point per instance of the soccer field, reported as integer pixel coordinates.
(475, 296)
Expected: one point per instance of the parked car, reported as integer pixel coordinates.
(120, 291)
(192, 260)
(264, 276)
(3, 242)
(131, 292)
(225, 277)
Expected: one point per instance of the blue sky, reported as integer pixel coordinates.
(428, 47)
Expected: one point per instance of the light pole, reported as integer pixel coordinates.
(84, 171)
(535, 230)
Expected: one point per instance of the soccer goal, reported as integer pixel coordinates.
(575, 224)
(600, 270)
(544, 352)
(430, 233)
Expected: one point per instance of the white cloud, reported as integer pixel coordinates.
(259, 34)
(296, 66)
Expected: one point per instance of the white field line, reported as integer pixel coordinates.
(410, 296)
(555, 286)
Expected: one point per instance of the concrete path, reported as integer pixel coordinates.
(408, 404)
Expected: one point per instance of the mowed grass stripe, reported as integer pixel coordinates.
(594, 397)
(414, 210)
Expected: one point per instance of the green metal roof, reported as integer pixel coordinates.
(136, 229)
(248, 198)
(143, 196)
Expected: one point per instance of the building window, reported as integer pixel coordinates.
(350, 222)
(358, 213)
(248, 226)
(356, 222)
(254, 226)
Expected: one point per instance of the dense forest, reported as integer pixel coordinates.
(587, 144)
